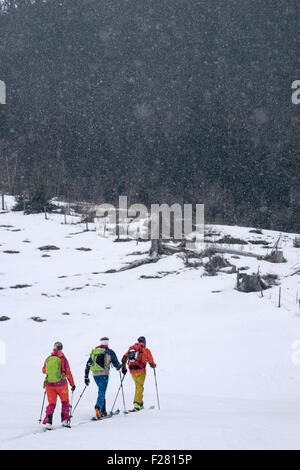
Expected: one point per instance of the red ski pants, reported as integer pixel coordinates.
(52, 393)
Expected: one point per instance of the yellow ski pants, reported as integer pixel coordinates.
(139, 380)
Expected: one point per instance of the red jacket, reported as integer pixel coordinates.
(65, 370)
(145, 357)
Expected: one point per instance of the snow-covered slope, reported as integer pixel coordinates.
(225, 372)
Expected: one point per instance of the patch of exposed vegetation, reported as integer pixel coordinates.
(276, 256)
(144, 276)
(159, 275)
(250, 283)
(21, 286)
(216, 263)
(4, 318)
(211, 233)
(38, 319)
(229, 240)
(271, 279)
(133, 265)
(48, 248)
(296, 242)
(137, 253)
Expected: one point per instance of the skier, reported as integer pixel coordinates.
(58, 372)
(137, 357)
(99, 363)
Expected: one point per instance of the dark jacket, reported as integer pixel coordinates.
(110, 358)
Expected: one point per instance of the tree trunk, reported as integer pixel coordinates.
(156, 248)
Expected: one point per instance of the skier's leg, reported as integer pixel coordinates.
(63, 393)
(103, 411)
(96, 378)
(139, 380)
(52, 397)
(104, 388)
(97, 406)
(102, 382)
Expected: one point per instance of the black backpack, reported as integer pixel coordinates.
(135, 358)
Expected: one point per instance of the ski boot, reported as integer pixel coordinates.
(98, 412)
(138, 406)
(65, 422)
(103, 411)
(48, 422)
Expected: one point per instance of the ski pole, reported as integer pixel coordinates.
(42, 407)
(78, 400)
(117, 394)
(156, 389)
(123, 393)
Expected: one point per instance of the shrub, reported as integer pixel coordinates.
(297, 242)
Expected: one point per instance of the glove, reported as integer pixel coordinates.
(73, 388)
(87, 381)
(152, 365)
(124, 371)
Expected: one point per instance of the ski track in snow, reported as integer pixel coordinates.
(225, 372)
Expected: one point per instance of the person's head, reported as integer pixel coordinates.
(104, 341)
(58, 346)
(142, 339)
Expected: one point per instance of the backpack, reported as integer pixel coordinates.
(98, 360)
(53, 369)
(135, 357)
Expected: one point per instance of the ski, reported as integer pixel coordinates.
(110, 415)
(54, 428)
(134, 410)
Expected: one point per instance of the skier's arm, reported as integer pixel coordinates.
(44, 368)
(70, 377)
(114, 359)
(69, 373)
(150, 359)
(124, 361)
(87, 368)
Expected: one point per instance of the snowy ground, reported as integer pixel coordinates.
(225, 372)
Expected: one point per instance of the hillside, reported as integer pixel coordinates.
(225, 371)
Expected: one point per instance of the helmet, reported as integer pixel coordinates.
(58, 345)
(142, 339)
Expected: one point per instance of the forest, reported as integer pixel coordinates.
(165, 101)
